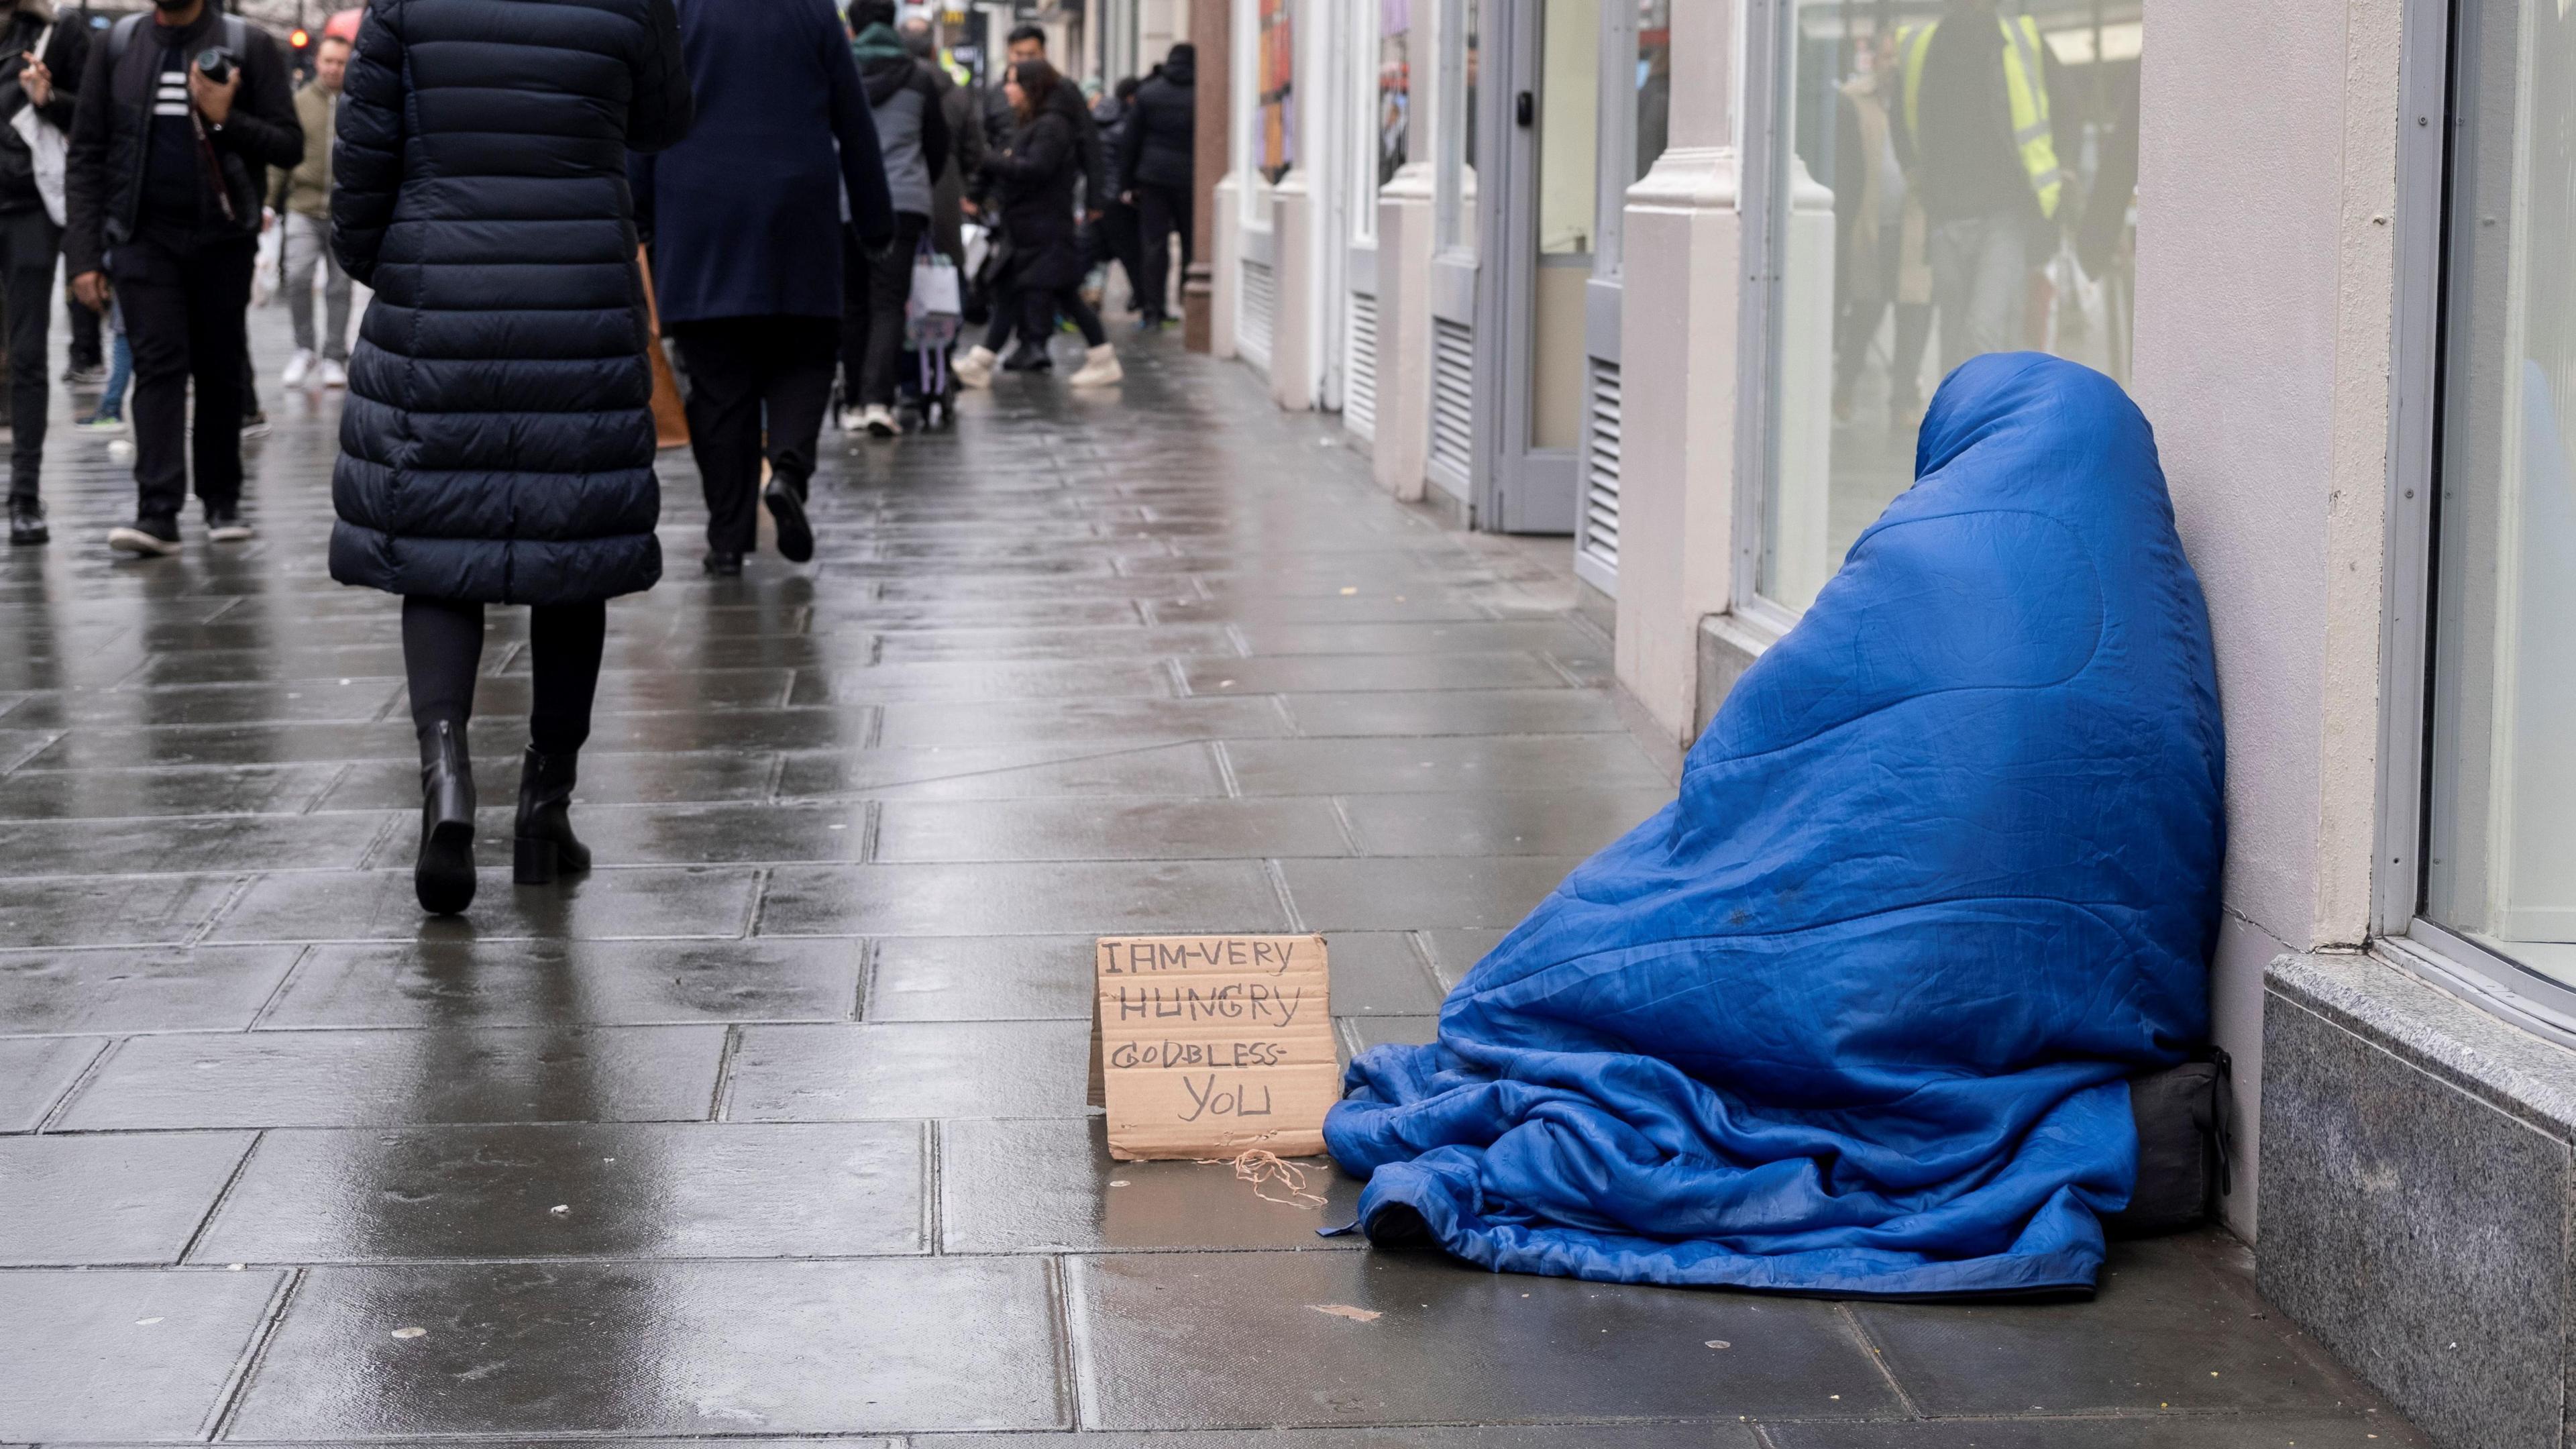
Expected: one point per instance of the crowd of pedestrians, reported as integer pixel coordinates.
(806, 203)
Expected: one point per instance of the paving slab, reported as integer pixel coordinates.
(663, 1348)
(350, 1078)
(588, 1190)
(121, 1198)
(117, 1355)
(1165, 1342)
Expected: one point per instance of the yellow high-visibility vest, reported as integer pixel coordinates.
(2022, 87)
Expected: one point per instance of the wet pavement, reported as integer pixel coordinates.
(774, 1125)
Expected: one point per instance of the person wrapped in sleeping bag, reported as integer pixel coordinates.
(1855, 1013)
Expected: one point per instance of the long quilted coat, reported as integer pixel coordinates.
(497, 443)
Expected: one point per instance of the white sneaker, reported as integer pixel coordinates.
(881, 421)
(298, 368)
(1099, 368)
(975, 369)
(333, 374)
(853, 419)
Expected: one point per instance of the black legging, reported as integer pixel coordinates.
(443, 651)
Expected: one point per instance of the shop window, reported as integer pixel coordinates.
(2500, 837)
(1947, 180)
(1394, 87)
(1276, 115)
(1654, 82)
(1454, 185)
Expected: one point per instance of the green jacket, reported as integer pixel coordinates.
(307, 188)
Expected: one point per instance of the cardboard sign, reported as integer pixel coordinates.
(1210, 1046)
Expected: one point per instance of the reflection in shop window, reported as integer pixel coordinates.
(2500, 848)
(1654, 81)
(1454, 195)
(1962, 179)
(1394, 87)
(1277, 49)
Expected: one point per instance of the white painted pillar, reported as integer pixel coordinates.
(1678, 479)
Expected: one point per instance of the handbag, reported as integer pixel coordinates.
(46, 143)
(670, 412)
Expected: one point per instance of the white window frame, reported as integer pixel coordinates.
(2400, 935)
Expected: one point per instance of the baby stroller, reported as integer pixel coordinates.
(926, 388)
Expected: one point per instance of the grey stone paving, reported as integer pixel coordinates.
(774, 1126)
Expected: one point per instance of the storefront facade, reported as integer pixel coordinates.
(1673, 280)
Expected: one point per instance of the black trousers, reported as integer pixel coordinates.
(1117, 238)
(1160, 211)
(443, 653)
(1033, 313)
(184, 311)
(873, 297)
(744, 373)
(29, 243)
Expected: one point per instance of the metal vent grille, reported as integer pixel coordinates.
(1260, 306)
(1453, 401)
(1600, 535)
(1359, 392)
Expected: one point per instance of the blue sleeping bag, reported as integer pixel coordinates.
(1855, 1014)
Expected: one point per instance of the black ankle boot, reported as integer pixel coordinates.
(445, 875)
(545, 844)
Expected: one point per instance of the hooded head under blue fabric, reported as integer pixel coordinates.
(1856, 1012)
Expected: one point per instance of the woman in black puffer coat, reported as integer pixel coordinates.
(1030, 183)
(497, 444)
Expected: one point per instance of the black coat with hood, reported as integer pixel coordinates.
(497, 442)
(111, 137)
(1159, 145)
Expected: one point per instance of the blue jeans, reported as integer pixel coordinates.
(120, 371)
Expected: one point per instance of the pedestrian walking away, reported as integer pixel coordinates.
(744, 221)
(40, 76)
(1157, 156)
(958, 110)
(1114, 238)
(497, 442)
(912, 137)
(303, 205)
(1033, 180)
(181, 112)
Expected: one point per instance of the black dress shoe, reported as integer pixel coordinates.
(786, 502)
(1028, 357)
(543, 843)
(724, 563)
(444, 875)
(27, 522)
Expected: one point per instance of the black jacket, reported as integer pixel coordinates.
(1092, 160)
(66, 55)
(112, 128)
(1032, 189)
(497, 442)
(1160, 144)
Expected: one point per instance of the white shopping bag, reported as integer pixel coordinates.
(46, 142)
(934, 285)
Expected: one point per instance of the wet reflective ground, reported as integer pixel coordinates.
(774, 1125)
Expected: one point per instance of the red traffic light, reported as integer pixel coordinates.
(299, 37)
